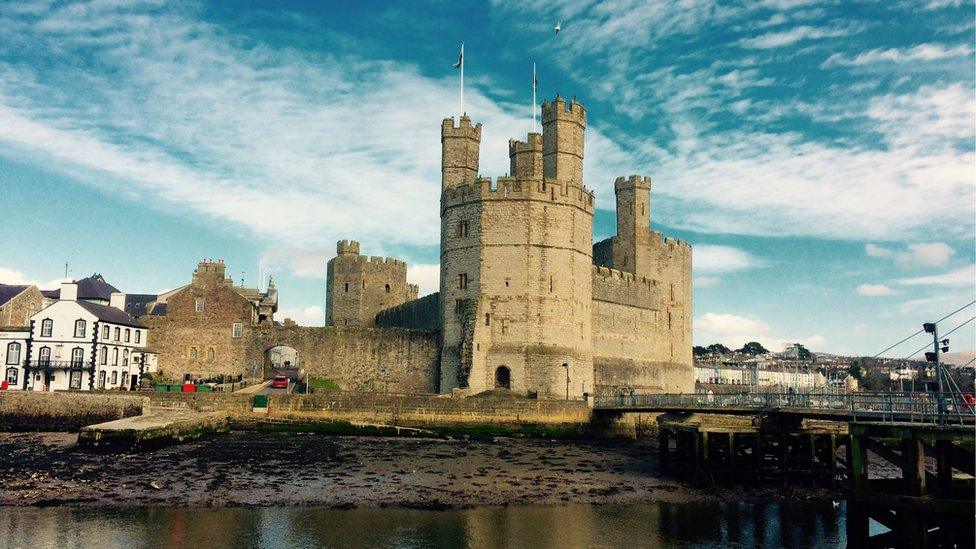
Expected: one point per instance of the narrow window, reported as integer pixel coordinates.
(346, 287)
(138, 336)
(128, 335)
(199, 304)
(364, 284)
(672, 291)
(80, 326)
(103, 356)
(47, 326)
(507, 281)
(125, 357)
(550, 284)
(238, 330)
(487, 319)
(74, 382)
(13, 353)
(457, 306)
(210, 353)
(193, 353)
(11, 376)
(105, 332)
(115, 356)
(118, 334)
(44, 356)
(387, 288)
(115, 377)
(77, 356)
(463, 281)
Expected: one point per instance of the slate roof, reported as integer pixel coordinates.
(91, 287)
(8, 292)
(137, 304)
(110, 314)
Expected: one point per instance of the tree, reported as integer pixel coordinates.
(805, 353)
(698, 350)
(855, 370)
(753, 348)
(718, 349)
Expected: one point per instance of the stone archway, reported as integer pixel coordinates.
(282, 357)
(503, 378)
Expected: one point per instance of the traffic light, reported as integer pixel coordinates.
(930, 356)
(929, 327)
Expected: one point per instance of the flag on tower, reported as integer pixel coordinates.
(460, 60)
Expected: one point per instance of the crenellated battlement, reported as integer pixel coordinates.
(615, 286)
(623, 277)
(532, 143)
(347, 247)
(463, 128)
(557, 110)
(632, 182)
(513, 188)
(673, 244)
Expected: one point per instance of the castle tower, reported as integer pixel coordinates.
(562, 140)
(632, 244)
(526, 157)
(358, 288)
(459, 152)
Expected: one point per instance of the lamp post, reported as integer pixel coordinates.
(566, 366)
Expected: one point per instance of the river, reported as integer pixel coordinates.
(697, 524)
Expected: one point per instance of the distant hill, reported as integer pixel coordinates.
(959, 357)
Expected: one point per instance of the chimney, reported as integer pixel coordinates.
(117, 300)
(69, 291)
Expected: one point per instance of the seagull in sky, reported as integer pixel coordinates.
(558, 27)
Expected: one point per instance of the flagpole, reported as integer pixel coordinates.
(461, 114)
(533, 98)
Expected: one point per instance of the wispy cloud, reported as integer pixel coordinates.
(965, 276)
(926, 254)
(710, 258)
(921, 52)
(735, 330)
(792, 36)
(875, 290)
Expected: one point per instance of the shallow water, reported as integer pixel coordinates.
(772, 524)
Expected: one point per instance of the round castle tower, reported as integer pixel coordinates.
(516, 266)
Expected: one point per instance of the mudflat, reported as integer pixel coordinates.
(265, 469)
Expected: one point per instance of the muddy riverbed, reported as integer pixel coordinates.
(274, 469)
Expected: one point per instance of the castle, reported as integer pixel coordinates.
(527, 300)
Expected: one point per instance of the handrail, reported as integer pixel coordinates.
(917, 406)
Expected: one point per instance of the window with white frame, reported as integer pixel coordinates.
(11, 376)
(105, 332)
(238, 330)
(199, 304)
(74, 382)
(115, 357)
(128, 335)
(125, 357)
(13, 353)
(193, 353)
(47, 326)
(138, 336)
(115, 377)
(210, 353)
(103, 356)
(77, 356)
(80, 326)
(118, 333)
(44, 355)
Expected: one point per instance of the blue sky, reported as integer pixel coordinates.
(818, 155)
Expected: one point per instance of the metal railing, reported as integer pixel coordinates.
(914, 407)
(59, 364)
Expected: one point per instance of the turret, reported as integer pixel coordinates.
(347, 247)
(562, 140)
(459, 152)
(209, 272)
(633, 223)
(526, 157)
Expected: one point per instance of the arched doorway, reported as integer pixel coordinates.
(503, 378)
(282, 357)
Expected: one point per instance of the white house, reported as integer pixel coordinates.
(13, 349)
(81, 345)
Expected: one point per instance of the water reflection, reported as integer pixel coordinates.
(786, 524)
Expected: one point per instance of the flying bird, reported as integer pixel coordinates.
(558, 27)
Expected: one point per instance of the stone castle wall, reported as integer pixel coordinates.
(359, 287)
(418, 314)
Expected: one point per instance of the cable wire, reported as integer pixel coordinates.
(922, 330)
(927, 345)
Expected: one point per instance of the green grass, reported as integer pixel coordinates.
(326, 384)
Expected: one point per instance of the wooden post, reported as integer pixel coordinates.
(943, 460)
(759, 456)
(832, 458)
(731, 459)
(859, 462)
(913, 466)
(857, 525)
(703, 448)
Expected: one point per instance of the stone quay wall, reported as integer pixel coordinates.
(63, 411)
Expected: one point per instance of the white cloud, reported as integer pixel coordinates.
(17, 278)
(734, 330)
(710, 258)
(706, 281)
(965, 276)
(426, 276)
(792, 36)
(921, 52)
(306, 316)
(875, 290)
(861, 328)
(926, 254)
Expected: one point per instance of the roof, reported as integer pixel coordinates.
(91, 287)
(137, 304)
(8, 292)
(110, 314)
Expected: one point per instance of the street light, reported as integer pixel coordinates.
(566, 366)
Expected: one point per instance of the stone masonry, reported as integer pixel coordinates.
(359, 287)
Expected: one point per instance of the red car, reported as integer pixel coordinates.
(279, 382)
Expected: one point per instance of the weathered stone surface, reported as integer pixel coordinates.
(36, 411)
(359, 287)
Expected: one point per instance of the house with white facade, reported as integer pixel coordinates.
(13, 349)
(76, 344)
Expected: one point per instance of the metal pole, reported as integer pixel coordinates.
(938, 374)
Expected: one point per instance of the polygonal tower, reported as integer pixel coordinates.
(359, 287)
(516, 268)
(459, 151)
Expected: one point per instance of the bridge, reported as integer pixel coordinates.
(861, 438)
(904, 407)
